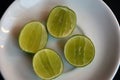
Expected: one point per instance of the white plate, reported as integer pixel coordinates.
(94, 19)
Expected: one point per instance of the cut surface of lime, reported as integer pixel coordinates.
(47, 64)
(61, 21)
(33, 37)
(79, 50)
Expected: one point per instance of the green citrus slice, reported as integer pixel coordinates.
(61, 21)
(79, 50)
(33, 37)
(47, 64)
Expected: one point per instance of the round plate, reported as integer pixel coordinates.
(94, 19)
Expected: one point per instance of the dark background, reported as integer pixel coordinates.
(113, 4)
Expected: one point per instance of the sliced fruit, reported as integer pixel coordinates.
(79, 50)
(47, 64)
(61, 21)
(33, 37)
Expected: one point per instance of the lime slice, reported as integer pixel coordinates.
(33, 37)
(79, 50)
(61, 21)
(47, 64)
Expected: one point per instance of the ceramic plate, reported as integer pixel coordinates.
(94, 19)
